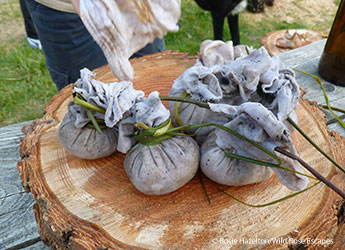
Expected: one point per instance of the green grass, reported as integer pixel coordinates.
(25, 85)
(337, 2)
(196, 25)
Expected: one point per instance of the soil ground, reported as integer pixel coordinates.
(311, 12)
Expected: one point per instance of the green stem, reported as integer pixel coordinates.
(314, 144)
(317, 79)
(203, 186)
(269, 203)
(334, 108)
(93, 120)
(264, 163)
(85, 104)
(182, 99)
(230, 131)
(176, 109)
(333, 120)
(187, 64)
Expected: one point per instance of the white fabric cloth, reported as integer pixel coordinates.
(123, 27)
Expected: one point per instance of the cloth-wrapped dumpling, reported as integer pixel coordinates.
(164, 167)
(279, 84)
(116, 99)
(200, 84)
(260, 125)
(243, 76)
(228, 171)
(85, 142)
(218, 53)
(215, 52)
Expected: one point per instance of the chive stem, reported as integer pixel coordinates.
(334, 120)
(93, 120)
(85, 104)
(176, 109)
(182, 99)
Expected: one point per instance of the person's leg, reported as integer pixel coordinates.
(67, 45)
(29, 25)
(31, 34)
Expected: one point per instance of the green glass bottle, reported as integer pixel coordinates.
(332, 62)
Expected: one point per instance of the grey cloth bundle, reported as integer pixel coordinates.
(258, 93)
(85, 142)
(258, 124)
(252, 94)
(201, 85)
(164, 167)
(117, 99)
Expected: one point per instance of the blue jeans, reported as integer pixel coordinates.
(68, 46)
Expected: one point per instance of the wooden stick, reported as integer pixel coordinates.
(311, 170)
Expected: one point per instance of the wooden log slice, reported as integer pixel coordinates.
(90, 204)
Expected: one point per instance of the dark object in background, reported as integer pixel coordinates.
(332, 62)
(258, 6)
(220, 9)
(269, 2)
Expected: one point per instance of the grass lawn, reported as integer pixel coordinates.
(25, 85)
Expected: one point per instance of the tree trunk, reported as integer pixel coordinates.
(90, 204)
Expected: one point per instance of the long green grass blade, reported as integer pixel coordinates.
(203, 187)
(333, 108)
(314, 144)
(317, 79)
(269, 203)
(264, 163)
(183, 99)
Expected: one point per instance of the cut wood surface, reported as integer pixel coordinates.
(302, 37)
(90, 204)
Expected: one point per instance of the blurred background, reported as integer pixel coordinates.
(25, 84)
